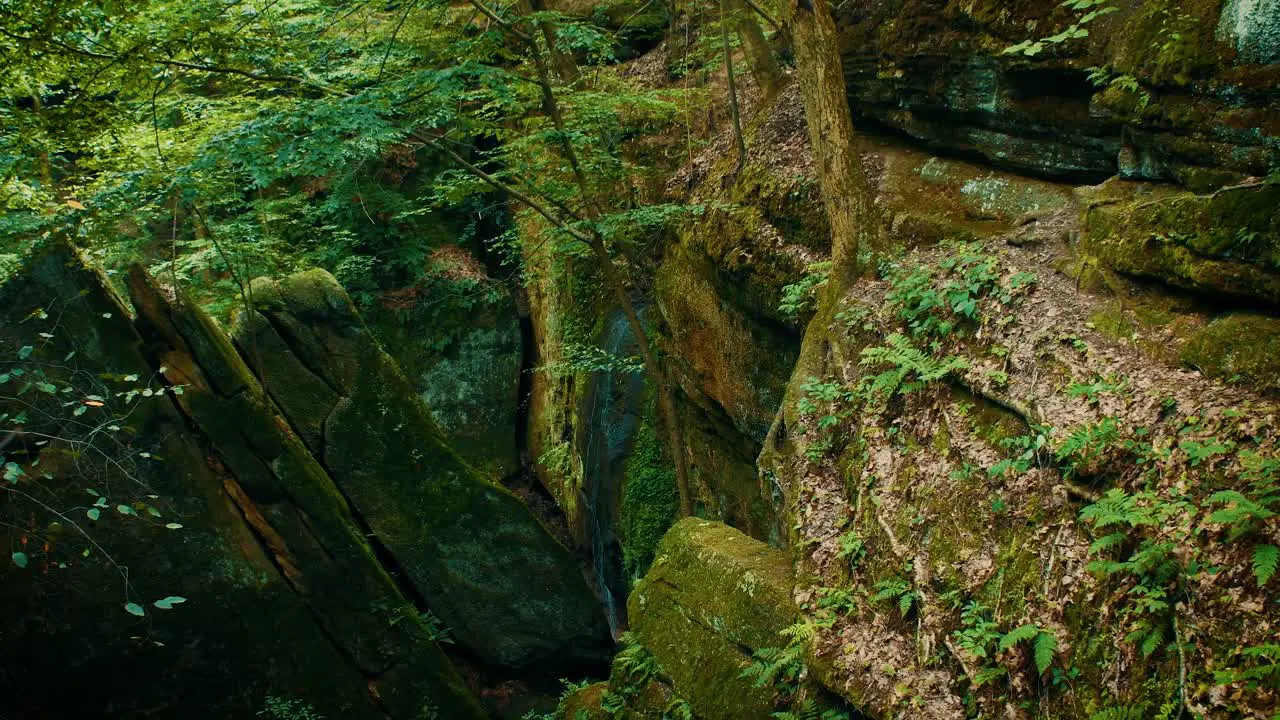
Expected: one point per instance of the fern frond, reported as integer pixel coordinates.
(1123, 712)
(1107, 542)
(1117, 507)
(1017, 635)
(801, 632)
(1046, 646)
(1266, 558)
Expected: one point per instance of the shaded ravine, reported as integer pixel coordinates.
(614, 402)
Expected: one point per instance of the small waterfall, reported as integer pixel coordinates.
(615, 415)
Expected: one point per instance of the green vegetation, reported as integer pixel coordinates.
(981, 444)
(649, 501)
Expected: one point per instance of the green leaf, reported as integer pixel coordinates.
(1017, 635)
(25, 352)
(168, 602)
(134, 609)
(20, 559)
(13, 471)
(1045, 647)
(174, 526)
(94, 513)
(125, 510)
(1265, 560)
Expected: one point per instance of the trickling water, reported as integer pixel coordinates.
(615, 415)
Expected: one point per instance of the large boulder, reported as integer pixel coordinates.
(206, 497)
(457, 338)
(713, 597)
(1225, 244)
(481, 561)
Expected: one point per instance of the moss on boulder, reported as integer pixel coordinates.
(511, 593)
(1241, 348)
(711, 598)
(585, 704)
(1224, 244)
(284, 598)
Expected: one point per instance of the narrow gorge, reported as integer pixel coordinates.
(566, 361)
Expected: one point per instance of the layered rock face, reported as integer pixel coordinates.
(1158, 90)
(241, 530)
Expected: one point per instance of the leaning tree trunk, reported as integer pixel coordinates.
(734, 112)
(566, 66)
(764, 66)
(845, 191)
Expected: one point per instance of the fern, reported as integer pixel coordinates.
(910, 369)
(1044, 650)
(635, 661)
(1242, 513)
(1123, 712)
(1106, 542)
(1017, 635)
(677, 709)
(1262, 670)
(1086, 444)
(1266, 558)
(897, 590)
(797, 298)
(1044, 644)
(1117, 507)
(782, 667)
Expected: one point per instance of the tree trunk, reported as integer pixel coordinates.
(733, 85)
(566, 67)
(764, 66)
(846, 194)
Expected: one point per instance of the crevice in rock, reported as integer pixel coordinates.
(272, 545)
(290, 342)
(873, 127)
(524, 391)
(385, 558)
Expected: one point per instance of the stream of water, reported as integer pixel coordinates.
(615, 414)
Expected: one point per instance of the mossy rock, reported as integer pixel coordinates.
(637, 25)
(465, 363)
(1194, 96)
(1223, 244)
(649, 500)
(1253, 28)
(261, 593)
(584, 704)
(511, 594)
(712, 597)
(1240, 347)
